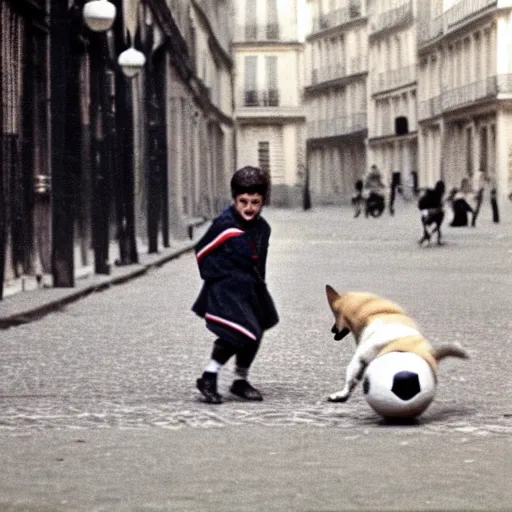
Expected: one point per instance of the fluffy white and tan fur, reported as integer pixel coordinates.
(379, 326)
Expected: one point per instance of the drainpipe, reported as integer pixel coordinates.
(62, 179)
(100, 167)
(2, 201)
(124, 173)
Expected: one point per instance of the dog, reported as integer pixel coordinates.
(379, 326)
(431, 209)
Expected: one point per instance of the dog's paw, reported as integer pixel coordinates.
(339, 396)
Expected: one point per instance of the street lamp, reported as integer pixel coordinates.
(99, 15)
(131, 61)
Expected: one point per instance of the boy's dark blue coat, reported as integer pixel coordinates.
(234, 299)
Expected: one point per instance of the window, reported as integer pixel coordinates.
(250, 20)
(272, 22)
(264, 155)
(251, 93)
(271, 71)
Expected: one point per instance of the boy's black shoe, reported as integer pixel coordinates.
(208, 388)
(243, 389)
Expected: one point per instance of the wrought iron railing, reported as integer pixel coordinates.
(394, 78)
(392, 17)
(467, 94)
(461, 12)
(265, 32)
(340, 125)
(354, 66)
(338, 17)
(261, 98)
(466, 9)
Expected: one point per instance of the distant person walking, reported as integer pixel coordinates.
(460, 202)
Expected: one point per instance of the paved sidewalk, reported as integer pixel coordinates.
(28, 306)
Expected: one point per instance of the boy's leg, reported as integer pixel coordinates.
(241, 386)
(207, 383)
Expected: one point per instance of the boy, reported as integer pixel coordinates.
(234, 299)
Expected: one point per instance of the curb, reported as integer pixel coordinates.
(30, 306)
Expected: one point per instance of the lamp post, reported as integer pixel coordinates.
(130, 62)
(99, 16)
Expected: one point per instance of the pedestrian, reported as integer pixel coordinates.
(460, 201)
(234, 300)
(431, 209)
(357, 197)
(479, 196)
(373, 192)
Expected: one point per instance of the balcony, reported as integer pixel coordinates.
(356, 65)
(338, 17)
(262, 98)
(475, 91)
(394, 78)
(268, 104)
(430, 108)
(461, 13)
(389, 19)
(270, 32)
(466, 9)
(465, 95)
(338, 126)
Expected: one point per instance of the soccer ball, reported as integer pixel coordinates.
(399, 385)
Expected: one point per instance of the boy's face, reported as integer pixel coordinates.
(248, 206)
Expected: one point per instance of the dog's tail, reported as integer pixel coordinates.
(449, 350)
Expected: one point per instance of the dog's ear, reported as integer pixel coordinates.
(339, 329)
(332, 295)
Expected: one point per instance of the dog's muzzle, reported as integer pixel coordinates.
(339, 334)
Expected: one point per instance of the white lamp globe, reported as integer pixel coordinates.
(131, 62)
(99, 15)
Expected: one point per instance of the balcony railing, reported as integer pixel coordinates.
(388, 19)
(261, 98)
(461, 12)
(270, 32)
(464, 95)
(342, 125)
(394, 78)
(465, 9)
(430, 108)
(338, 17)
(325, 74)
(470, 93)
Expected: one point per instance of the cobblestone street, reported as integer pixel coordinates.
(126, 359)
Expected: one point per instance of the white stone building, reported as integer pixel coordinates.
(465, 92)
(392, 119)
(201, 128)
(268, 84)
(336, 97)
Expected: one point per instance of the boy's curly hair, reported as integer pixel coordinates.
(250, 180)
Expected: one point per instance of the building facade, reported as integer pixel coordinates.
(392, 119)
(268, 84)
(465, 93)
(98, 166)
(336, 97)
